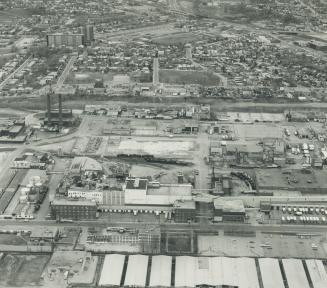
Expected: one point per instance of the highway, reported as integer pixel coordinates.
(11, 75)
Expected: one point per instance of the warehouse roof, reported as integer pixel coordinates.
(112, 270)
(136, 270)
(317, 273)
(161, 271)
(232, 206)
(295, 273)
(214, 271)
(72, 202)
(270, 273)
(171, 189)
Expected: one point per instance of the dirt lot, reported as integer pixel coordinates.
(22, 270)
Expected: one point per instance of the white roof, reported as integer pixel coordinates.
(183, 272)
(295, 274)
(270, 273)
(136, 270)
(161, 271)
(317, 273)
(214, 271)
(247, 273)
(112, 270)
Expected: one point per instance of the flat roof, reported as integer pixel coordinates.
(215, 271)
(136, 270)
(270, 273)
(317, 273)
(161, 271)
(112, 270)
(295, 273)
(171, 190)
(71, 202)
(234, 206)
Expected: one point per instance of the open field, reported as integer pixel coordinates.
(87, 78)
(188, 77)
(177, 38)
(22, 270)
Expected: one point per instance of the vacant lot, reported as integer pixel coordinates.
(21, 270)
(30, 270)
(188, 77)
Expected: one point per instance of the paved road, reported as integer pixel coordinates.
(196, 227)
(65, 73)
(19, 69)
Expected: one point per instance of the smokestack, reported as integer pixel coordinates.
(155, 76)
(180, 178)
(49, 108)
(188, 51)
(60, 110)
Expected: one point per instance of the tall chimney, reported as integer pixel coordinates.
(155, 76)
(60, 110)
(49, 108)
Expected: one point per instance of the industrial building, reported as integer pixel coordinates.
(187, 271)
(73, 209)
(57, 117)
(61, 39)
(139, 191)
(229, 210)
(84, 193)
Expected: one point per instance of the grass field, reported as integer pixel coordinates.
(188, 77)
(87, 77)
(177, 38)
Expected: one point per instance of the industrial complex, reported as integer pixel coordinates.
(163, 143)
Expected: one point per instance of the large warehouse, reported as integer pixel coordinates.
(186, 271)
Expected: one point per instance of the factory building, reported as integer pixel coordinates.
(61, 39)
(229, 210)
(73, 209)
(139, 191)
(82, 193)
(57, 117)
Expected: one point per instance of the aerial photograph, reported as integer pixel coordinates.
(163, 143)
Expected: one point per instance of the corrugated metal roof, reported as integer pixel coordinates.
(317, 273)
(161, 271)
(295, 274)
(112, 270)
(270, 273)
(136, 270)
